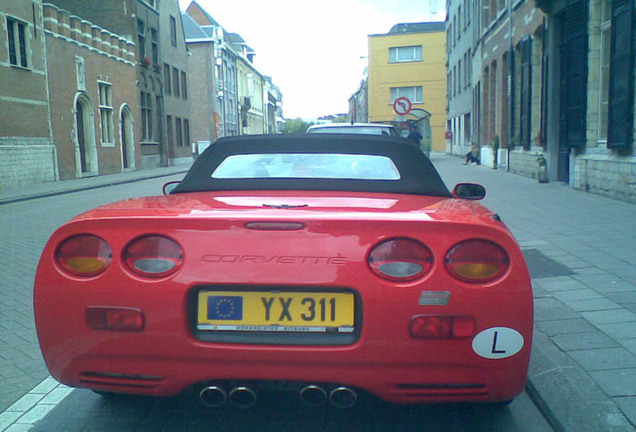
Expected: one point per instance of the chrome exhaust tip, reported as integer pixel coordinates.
(343, 397)
(243, 397)
(313, 395)
(213, 396)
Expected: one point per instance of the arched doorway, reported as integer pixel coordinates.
(85, 148)
(127, 138)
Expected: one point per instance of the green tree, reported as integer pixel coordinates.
(297, 125)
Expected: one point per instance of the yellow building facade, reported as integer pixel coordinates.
(410, 61)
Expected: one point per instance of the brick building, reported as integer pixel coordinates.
(227, 103)
(203, 90)
(591, 46)
(553, 82)
(27, 153)
(92, 76)
(508, 90)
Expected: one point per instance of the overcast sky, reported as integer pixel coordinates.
(315, 51)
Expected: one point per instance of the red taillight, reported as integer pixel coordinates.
(153, 256)
(441, 327)
(114, 318)
(84, 255)
(400, 259)
(477, 261)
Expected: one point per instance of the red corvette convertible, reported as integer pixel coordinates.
(328, 266)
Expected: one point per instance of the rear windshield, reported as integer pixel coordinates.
(354, 130)
(307, 165)
(314, 162)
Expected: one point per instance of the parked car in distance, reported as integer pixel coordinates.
(354, 128)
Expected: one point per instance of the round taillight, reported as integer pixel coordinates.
(84, 255)
(153, 256)
(477, 261)
(400, 259)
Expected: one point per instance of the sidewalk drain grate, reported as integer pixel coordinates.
(540, 266)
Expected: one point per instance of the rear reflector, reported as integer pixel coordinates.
(400, 260)
(83, 255)
(114, 318)
(441, 327)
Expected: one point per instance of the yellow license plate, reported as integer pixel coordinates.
(275, 311)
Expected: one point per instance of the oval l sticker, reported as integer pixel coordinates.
(498, 343)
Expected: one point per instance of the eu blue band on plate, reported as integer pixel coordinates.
(225, 308)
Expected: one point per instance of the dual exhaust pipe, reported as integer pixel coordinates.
(312, 395)
(215, 396)
(340, 397)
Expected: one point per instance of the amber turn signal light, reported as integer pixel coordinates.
(83, 255)
(477, 261)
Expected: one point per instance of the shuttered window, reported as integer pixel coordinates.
(525, 93)
(574, 75)
(621, 90)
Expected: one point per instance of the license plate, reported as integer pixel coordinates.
(263, 311)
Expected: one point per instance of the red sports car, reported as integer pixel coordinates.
(323, 265)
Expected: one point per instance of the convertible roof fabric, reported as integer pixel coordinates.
(418, 176)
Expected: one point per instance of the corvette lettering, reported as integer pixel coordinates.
(276, 259)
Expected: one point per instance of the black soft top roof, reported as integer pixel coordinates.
(418, 176)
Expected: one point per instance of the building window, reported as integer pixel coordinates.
(184, 86)
(141, 39)
(467, 10)
(454, 30)
(178, 132)
(154, 40)
(414, 94)
(146, 117)
(166, 79)
(170, 133)
(459, 77)
(18, 44)
(405, 54)
(454, 81)
(175, 82)
(459, 23)
(606, 37)
(106, 113)
(186, 131)
(173, 31)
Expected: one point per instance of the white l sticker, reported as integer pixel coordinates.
(498, 343)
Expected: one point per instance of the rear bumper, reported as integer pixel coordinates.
(393, 380)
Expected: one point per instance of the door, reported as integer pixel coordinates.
(81, 135)
(124, 140)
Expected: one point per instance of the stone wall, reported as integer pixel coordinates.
(25, 161)
(611, 176)
(524, 163)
